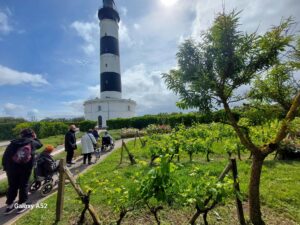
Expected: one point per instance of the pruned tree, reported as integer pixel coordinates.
(210, 72)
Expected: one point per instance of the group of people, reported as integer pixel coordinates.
(89, 143)
(20, 156)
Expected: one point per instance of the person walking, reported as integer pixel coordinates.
(17, 162)
(96, 134)
(70, 144)
(88, 143)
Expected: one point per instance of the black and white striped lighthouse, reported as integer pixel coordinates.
(110, 105)
(110, 73)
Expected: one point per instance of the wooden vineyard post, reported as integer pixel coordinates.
(142, 142)
(136, 134)
(122, 149)
(236, 185)
(61, 190)
(131, 156)
(82, 195)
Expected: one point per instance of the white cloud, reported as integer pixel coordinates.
(94, 91)
(136, 26)
(12, 77)
(148, 89)
(75, 107)
(5, 27)
(124, 35)
(89, 32)
(11, 109)
(123, 10)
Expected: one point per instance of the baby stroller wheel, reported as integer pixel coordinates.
(35, 185)
(46, 188)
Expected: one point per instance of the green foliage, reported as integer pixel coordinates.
(7, 131)
(278, 85)
(204, 187)
(84, 126)
(210, 71)
(169, 119)
(42, 129)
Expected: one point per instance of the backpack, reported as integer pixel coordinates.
(23, 154)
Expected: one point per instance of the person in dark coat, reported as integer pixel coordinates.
(96, 134)
(18, 171)
(47, 166)
(70, 144)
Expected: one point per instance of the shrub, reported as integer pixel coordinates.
(84, 126)
(158, 129)
(42, 129)
(6, 131)
(131, 132)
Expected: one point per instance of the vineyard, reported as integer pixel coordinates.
(174, 179)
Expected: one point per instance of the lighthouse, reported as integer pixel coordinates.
(110, 104)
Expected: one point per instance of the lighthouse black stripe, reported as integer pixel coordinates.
(110, 45)
(108, 13)
(111, 81)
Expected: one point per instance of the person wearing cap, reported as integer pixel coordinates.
(18, 169)
(70, 144)
(46, 164)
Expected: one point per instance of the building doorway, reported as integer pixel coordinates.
(99, 122)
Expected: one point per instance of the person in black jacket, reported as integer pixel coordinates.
(18, 173)
(46, 164)
(96, 134)
(70, 144)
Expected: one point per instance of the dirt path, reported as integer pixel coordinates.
(36, 197)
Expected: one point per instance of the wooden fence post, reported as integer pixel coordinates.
(236, 186)
(135, 136)
(122, 149)
(61, 190)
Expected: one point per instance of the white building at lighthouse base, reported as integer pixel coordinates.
(103, 109)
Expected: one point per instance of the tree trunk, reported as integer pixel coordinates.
(191, 156)
(195, 217)
(254, 200)
(205, 218)
(207, 156)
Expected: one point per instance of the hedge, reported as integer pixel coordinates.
(86, 125)
(6, 132)
(43, 129)
(168, 119)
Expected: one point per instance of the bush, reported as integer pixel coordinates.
(84, 126)
(158, 129)
(42, 129)
(6, 131)
(131, 132)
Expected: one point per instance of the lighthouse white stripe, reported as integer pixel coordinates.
(110, 63)
(109, 28)
(111, 94)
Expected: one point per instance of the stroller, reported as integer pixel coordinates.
(107, 144)
(43, 183)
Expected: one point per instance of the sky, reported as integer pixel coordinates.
(49, 50)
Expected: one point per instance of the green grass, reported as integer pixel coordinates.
(280, 188)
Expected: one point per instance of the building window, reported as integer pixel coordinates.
(105, 65)
(129, 108)
(99, 108)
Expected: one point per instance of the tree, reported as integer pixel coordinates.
(210, 72)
